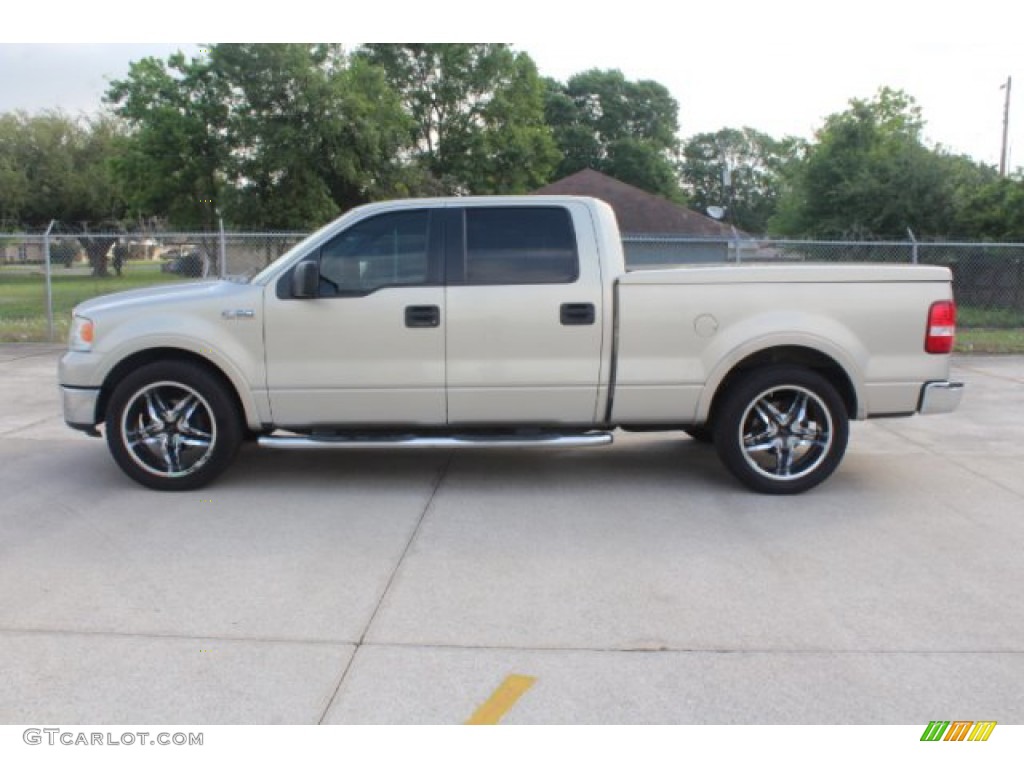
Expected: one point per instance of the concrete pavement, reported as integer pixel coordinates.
(637, 583)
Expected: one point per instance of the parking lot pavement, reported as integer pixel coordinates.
(632, 584)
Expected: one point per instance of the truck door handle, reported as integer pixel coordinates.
(577, 314)
(422, 316)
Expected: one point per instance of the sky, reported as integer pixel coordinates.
(780, 67)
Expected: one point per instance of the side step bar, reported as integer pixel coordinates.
(301, 442)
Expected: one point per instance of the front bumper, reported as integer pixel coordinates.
(79, 406)
(940, 397)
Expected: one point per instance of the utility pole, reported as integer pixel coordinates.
(1006, 125)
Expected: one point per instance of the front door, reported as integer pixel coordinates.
(369, 350)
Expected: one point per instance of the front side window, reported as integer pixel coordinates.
(517, 246)
(390, 249)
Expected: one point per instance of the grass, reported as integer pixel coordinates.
(989, 331)
(989, 317)
(23, 296)
(990, 341)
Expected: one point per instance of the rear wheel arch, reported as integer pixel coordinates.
(806, 357)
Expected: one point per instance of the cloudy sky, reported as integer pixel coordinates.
(779, 66)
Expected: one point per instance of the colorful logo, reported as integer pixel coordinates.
(959, 730)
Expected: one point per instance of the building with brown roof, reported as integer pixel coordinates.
(656, 231)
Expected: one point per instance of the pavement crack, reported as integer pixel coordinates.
(950, 458)
(438, 480)
(14, 432)
(34, 353)
(58, 631)
(667, 649)
(697, 650)
(989, 374)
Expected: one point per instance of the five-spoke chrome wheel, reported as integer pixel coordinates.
(173, 425)
(786, 432)
(169, 429)
(782, 429)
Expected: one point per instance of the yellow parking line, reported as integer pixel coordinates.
(502, 700)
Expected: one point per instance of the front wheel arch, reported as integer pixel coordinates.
(161, 355)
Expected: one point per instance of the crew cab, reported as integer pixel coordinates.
(506, 321)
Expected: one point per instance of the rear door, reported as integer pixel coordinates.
(524, 314)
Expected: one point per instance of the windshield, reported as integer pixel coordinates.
(267, 271)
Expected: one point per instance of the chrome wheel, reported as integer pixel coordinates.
(173, 425)
(786, 433)
(781, 429)
(169, 429)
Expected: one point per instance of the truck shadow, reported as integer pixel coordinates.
(668, 461)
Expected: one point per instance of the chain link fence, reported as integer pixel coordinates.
(43, 276)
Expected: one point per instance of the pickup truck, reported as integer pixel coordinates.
(506, 321)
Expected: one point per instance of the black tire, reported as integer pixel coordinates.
(173, 426)
(782, 429)
(702, 433)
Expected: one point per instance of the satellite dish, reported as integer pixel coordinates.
(716, 212)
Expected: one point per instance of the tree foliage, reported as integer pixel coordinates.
(275, 136)
(287, 136)
(753, 162)
(870, 175)
(311, 132)
(623, 128)
(985, 206)
(53, 166)
(477, 115)
(177, 112)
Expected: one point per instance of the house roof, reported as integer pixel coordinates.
(637, 211)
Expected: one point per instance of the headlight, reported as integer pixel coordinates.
(81, 336)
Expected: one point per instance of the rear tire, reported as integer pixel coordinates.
(782, 429)
(173, 426)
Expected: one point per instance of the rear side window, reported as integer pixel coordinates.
(515, 246)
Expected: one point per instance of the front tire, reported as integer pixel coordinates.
(172, 426)
(782, 430)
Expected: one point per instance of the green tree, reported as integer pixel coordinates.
(274, 136)
(53, 166)
(986, 206)
(754, 164)
(14, 184)
(623, 128)
(868, 175)
(312, 133)
(477, 115)
(175, 162)
(97, 251)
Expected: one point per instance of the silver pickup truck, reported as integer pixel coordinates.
(506, 321)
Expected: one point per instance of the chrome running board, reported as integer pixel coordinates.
(303, 442)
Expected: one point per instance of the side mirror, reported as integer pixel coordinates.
(306, 280)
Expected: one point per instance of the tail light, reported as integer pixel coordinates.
(941, 328)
